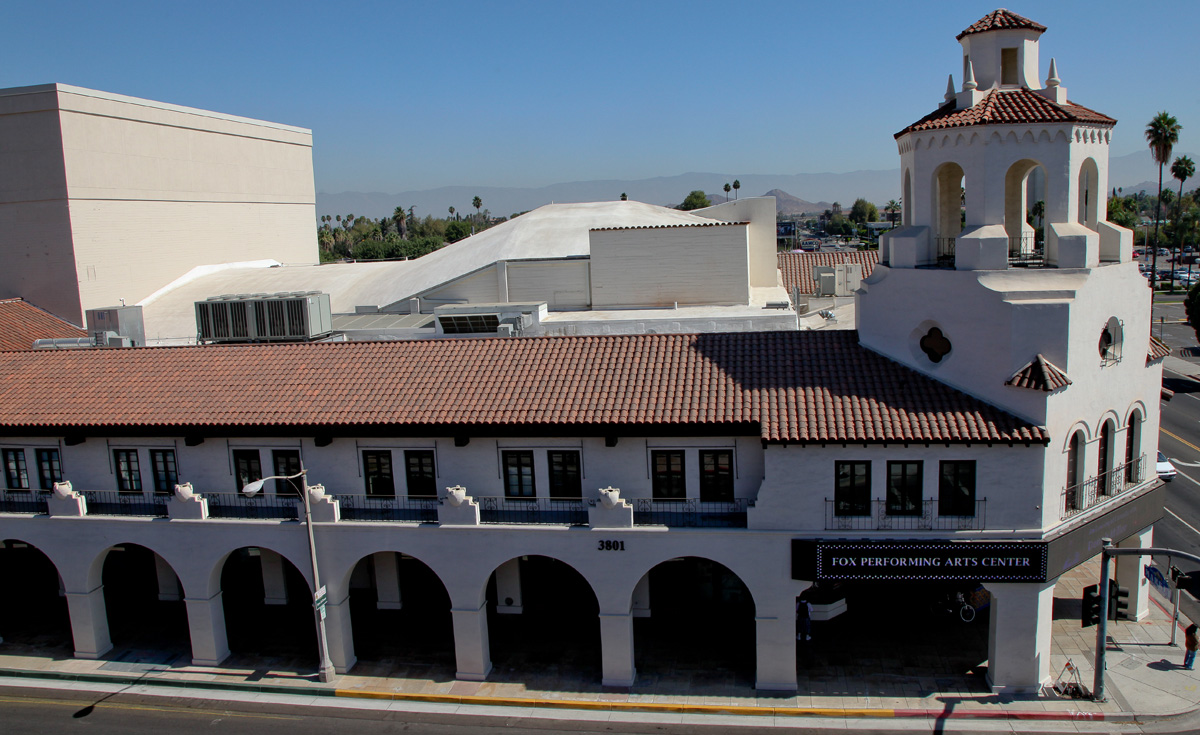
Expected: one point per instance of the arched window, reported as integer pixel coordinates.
(1104, 473)
(949, 196)
(1133, 441)
(1072, 499)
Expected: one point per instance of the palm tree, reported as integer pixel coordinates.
(451, 211)
(736, 185)
(727, 192)
(1183, 169)
(892, 207)
(624, 197)
(1162, 134)
(476, 203)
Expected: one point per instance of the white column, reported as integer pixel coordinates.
(274, 581)
(387, 581)
(168, 583)
(89, 623)
(472, 651)
(508, 588)
(1019, 643)
(775, 652)
(206, 626)
(616, 640)
(339, 633)
(641, 598)
(1131, 574)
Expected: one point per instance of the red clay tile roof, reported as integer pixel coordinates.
(797, 267)
(21, 323)
(1008, 107)
(1158, 350)
(785, 386)
(1039, 374)
(1000, 20)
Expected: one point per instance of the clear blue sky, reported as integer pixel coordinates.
(414, 95)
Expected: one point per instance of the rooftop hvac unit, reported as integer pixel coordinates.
(826, 283)
(282, 317)
(124, 321)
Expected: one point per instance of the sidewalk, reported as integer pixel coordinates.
(1144, 682)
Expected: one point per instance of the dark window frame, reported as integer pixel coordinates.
(668, 481)
(247, 467)
(49, 463)
(379, 480)
(905, 485)
(518, 472)
(128, 471)
(165, 477)
(956, 487)
(716, 477)
(420, 473)
(565, 467)
(287, 462)
(16, 471)
(852, 488)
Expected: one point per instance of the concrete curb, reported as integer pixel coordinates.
(594, 706)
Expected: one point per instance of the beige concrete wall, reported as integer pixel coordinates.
(479, 287)
(130, 249)
(562, 284)
(154, 190)
(760, 212)
(664, 266)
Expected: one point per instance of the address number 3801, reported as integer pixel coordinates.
(610, 545)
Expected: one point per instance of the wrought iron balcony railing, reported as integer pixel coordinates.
(263, 505)
(567, 511)
(1105, 486)
(690, 512)
(927, 515)
(388, 508)
(110, 503)
(944, 257)
(24, 501)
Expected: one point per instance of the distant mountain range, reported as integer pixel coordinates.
(797, 193)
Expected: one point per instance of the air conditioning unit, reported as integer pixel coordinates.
(123, 321)
(298, 316)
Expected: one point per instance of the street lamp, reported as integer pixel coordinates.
(325, 673)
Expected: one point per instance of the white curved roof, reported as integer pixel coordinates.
(551, 231)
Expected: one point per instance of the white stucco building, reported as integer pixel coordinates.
(988, 422)
(105, 198)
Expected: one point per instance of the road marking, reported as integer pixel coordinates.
(115, 705)
(1179, 439)
(1176, 515)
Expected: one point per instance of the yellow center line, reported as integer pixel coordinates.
(1179, 439)
(138, 707)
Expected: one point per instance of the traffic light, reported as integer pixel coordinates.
(1091, 605)
(1118, 602)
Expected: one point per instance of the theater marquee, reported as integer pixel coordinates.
(919, 561)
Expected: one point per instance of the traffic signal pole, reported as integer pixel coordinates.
(1102, 626)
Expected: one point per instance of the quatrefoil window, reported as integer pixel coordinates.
(935, 345)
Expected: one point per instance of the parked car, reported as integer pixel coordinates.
(1166, 470)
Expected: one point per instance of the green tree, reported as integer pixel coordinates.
(1183, 169)
(624, 197)
(695, 200)
(863, 211)
(736, 185)
(451, 211)
(476, 203)
(892, 208)
(457, 230)
(728, 188)
(1162, 133)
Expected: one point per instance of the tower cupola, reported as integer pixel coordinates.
(999, 50)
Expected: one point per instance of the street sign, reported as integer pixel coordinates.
(319, 600)
(1156, 579)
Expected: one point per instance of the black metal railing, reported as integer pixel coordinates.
(568, 511)
(262, 505)
(924, 515)
(1025, 252)
(388, 508)
(111, 503)
(944, 255)
(690, 513)
(23, 501)
(1106, 485)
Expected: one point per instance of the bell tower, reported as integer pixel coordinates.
(1005, 280)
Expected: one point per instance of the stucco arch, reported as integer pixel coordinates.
(340, 579)
(218, 566)
(1087, 194)
(947, 189)
(32, 577)
(729, 565)
(1079, 425)
(1022, 242)
(96, 570)
(1138, 407)
(906, 202)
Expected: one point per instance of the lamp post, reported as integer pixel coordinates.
(325, 673)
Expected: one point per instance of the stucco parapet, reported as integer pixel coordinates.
(64, 501)
(186, 505)
(611, 510)
(456, 508)
(324, 508)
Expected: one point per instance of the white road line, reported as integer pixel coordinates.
(1176, 515)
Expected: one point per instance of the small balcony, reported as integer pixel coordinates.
(690, 513)
(388, 508)
(1102, 488)
(557, 511)
(111, 503)
(878, 515)
(1025, 252)
(24, 501)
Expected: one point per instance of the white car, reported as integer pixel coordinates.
(1166, 470)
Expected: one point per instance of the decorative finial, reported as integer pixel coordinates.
(950, 88)
(1053, 80)
(970, 84)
